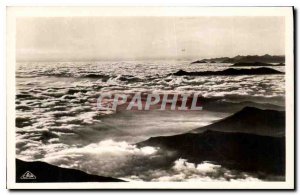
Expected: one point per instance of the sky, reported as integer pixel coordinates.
(141, 38)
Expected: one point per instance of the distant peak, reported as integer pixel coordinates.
(249, 108)
(252, 110)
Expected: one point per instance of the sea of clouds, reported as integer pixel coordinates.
(131, 163)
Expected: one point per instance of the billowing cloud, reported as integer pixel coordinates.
(108, 158)
(182, 170)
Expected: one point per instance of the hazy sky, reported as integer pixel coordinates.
(136, 38)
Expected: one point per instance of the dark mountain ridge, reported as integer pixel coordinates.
(230, 72)
(239, 151)
(250, 140)
(249, 58)
(256, 64)
(251, 120)
(44, 172)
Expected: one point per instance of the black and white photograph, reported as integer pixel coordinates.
(150, 98)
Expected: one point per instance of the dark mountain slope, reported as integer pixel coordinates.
(239, 151)
(250, 140)
(251, 120)
(44, 172)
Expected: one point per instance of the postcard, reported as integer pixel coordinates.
(150, 98)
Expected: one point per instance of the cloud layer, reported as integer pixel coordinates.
(127, 161)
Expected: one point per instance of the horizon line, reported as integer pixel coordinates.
(137, 59)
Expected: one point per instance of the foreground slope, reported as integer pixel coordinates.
(44, 172)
